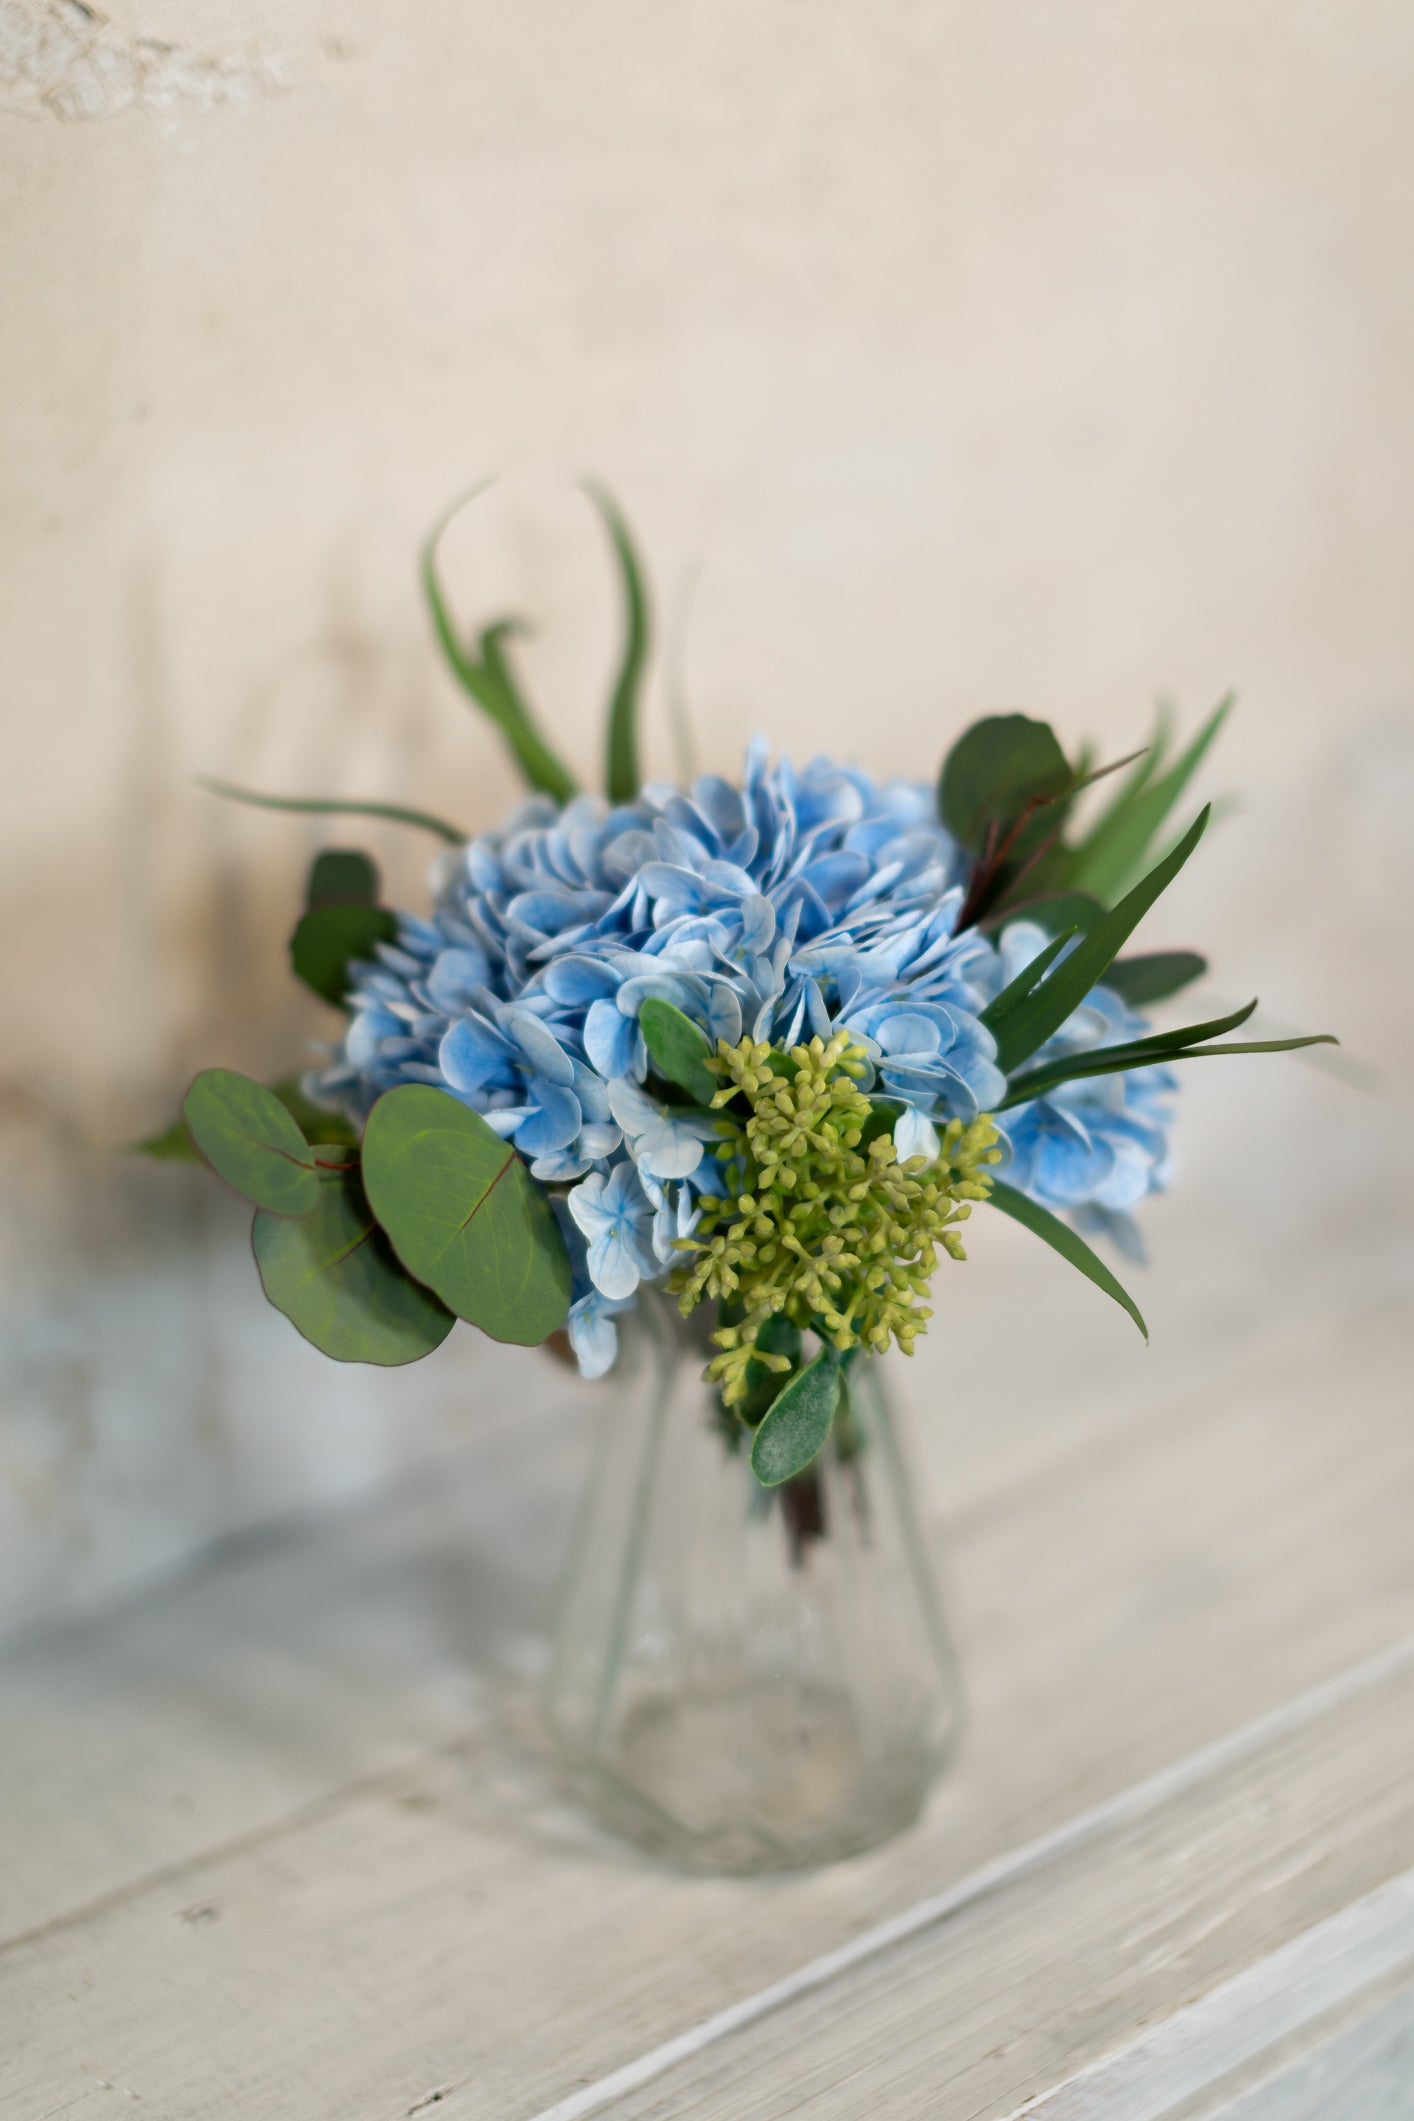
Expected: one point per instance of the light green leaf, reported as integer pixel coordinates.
(342, 874)
(994, 770)
(1154, 977)
(172, 1145)
(1047, 1006)
(1061, 1238)
(464, 1215)
(339, 1282)
(250, 1140)
(486, 678)
(621, 776)
(1117, 845)
(1055, 911)
(334, 806)
(678, 1050)
(330, 938)
(797, 1423)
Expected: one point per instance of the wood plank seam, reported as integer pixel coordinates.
(1243, 2018)
(1141, 1798)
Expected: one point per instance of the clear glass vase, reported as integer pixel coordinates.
(747, 1679)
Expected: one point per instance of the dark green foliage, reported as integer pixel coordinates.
(464, 1215)
(331, 937)
(320, 806)
(337, 1279)
(485, 676)
(342, 874)
(1153, 978)
(1120, 839)
(1061, 1238)
(678, 1050)
(621, 775)
(250, 1140)
(995, 770)
(1047, 1006)
(797, 1423)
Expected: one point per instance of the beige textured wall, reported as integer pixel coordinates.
(992, 354)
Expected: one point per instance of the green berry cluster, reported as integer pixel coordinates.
(823, 1225)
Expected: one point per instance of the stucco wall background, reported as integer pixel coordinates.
(971, 356)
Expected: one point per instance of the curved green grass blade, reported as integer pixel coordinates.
(1116, 847)
(621, 775)
(250, 1140)
(464, 1215)
(1115, 1061)
(340, 1284)
(1061, 1238)
(795, 1426)
(1029, 977)
(333, 806)
(486, 678)
(1047, 1006)
(1131, 1053)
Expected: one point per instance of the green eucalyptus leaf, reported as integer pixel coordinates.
(795, 1427)
(486, 677)
(1061, 1238)
(994, 770)
(1154, 977)
(621, 777)
(342, 873)
(330, 938)
(339, 1282)
(332, 806)
(319, 1128)
(464, 1215)
(1114, 849)
(250, 1140)
(1047, 1006)
(1145, 1052)
(678, 1050)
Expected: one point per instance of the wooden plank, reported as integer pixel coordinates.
(1225, 1916)
(448, 1925)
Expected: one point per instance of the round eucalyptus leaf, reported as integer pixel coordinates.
(250, 1140)
(342, 874)
(340, 1284)
(994, 769)
(464, 1215)
(330, 937)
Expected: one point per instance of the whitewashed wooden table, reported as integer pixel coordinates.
(281, 1841)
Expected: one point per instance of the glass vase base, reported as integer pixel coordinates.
(682, 1778)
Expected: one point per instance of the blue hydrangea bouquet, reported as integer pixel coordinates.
(763, 1044)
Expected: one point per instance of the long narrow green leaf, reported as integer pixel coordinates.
(1048, 1006)
(621, 776)
(1029, 977)
(487, 679)
(1108, 857)
(1061, 1238)
(1113, 1060)
(1155, 976)
(1130, 1053)
(321, 806)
